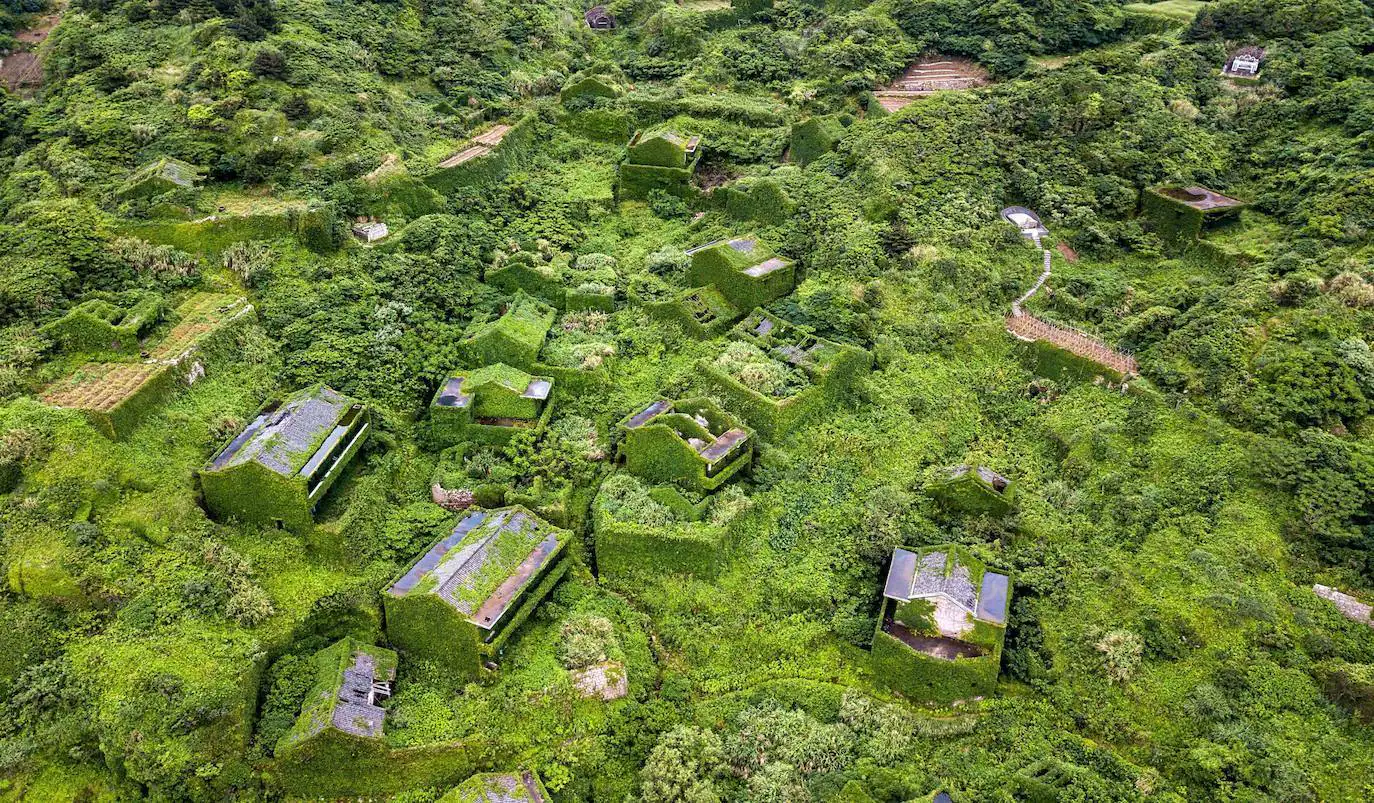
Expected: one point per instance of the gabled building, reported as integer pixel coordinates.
(489, 405)
(942, 624)
(499, 787)
(342, 714)
(276, 471)
(662, 160)
(691, 442)
(975, 489)
(158, 177)
(462, 598)
(515, 338)
(744, 270)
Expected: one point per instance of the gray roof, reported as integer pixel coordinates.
(452, 394)
(648, 414)
(912, 576)
(744, 245)
(280, 438)
(456, 563)
(724, 445)
(766, 267)
(354, 709)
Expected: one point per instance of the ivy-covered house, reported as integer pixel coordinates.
(462, 598)
(975, 489)
(100, 324)
(778, 374)
(499, 787)
(281, 465)
(158, 177)
(744, 270)
(659, 159)
(489, 405)
(942, 624)
(1181, 214)
(691, 442)
(514, 338)
(342, 718)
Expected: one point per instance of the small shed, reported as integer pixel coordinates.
(370, 232)
(158, 177)
(599, 18)
(276, 471)
(461, 599)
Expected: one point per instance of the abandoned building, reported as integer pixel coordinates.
(462, 598)
(662, 160)
(1181, 214)
(489, 405)
(691, 442)
(1026, 221)
(975, 489)
(345, 705)
(1244, 63)
(746, 272)
(515, 338)
(158, 177)
(370, 231)
(499, 787)
(276, 471)
(830, 369)
(599, 19)
(943, 621)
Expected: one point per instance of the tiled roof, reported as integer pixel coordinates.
(354, 710)
(285, 438)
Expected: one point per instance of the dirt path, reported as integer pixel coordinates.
(22, 70)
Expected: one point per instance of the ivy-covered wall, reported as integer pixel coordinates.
(972, 494)
(1170, 218)
(925, 679)
(489, 167)
(514, 339)
(636, 182)
(813, 138)
(761, 200)
(680, 311)
(99, 325)
(254, 493)
(625, 549)
(425, 626)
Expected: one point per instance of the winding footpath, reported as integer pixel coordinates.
(1026, 326)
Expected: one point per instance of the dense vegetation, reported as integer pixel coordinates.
(1163, 643)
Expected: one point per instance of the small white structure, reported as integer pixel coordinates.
(1244, 63)
(1025, 220)
(370, 232)
(1349, 607)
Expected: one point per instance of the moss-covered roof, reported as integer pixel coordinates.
(485, 563)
